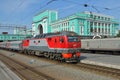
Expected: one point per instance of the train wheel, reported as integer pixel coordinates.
(20, 51)
(29, 52)
(52, 56)
(46, 54)
(25, 51)
(32, 52)
(58, 57)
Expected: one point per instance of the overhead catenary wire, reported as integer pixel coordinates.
(84, 5)
(50, 1)
(16, 8)
(74, 2)
(38, 9)
(88, 5)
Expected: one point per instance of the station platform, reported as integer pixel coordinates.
(112, 61)
(6, 73)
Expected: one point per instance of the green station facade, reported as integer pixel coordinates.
(84, 23)
(11, 37)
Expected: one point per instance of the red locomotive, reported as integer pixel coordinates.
(63, 46)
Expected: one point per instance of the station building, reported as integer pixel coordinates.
(11, 37)
(23, 31)
(20, 32)
(84, 23)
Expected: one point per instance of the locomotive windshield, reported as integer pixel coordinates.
(70, 33)
(73, 39)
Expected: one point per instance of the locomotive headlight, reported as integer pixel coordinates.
(74, 55)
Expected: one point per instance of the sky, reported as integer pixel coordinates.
(21, 12)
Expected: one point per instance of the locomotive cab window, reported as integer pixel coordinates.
(55, 40)
(73, 39)
(61, 40)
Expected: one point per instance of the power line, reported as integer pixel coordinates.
(50, 2)
(84, 5)
(41, 7)
(16, 8)
(95, 8)
(87, 5)
(77, 3)
(73, 2)
(11, 26)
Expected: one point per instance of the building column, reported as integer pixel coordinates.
(104, 28)
(93, 29)
(111, 29)
(107, 29)
(97, 28)
(101, 29)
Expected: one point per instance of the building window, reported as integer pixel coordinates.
(91, 23)
(91, 16)
(95, 23)
(99, 30)
(91, 29)
(95, 17)
(98, 17)
(98, 24)
(105, 24)
(102, 24)
(68, 29)
(102, 18)
(109, 31)
(102, 30)
(62, 24)
(81, 29)
(105, 30)
(105, 18)
(95, 29)
(68, 23)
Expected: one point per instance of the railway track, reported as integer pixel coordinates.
(105, 71)
(100, 70)
(23, 71)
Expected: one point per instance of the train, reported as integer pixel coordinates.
(63, 46)
(105, 45)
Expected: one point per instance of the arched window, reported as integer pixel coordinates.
(40, 29)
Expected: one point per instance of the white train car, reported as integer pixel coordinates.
(105, 45)
(2, 44)
(14, 45)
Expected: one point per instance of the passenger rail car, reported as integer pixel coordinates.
(64, 46)
(13, 45)
(109, 45)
